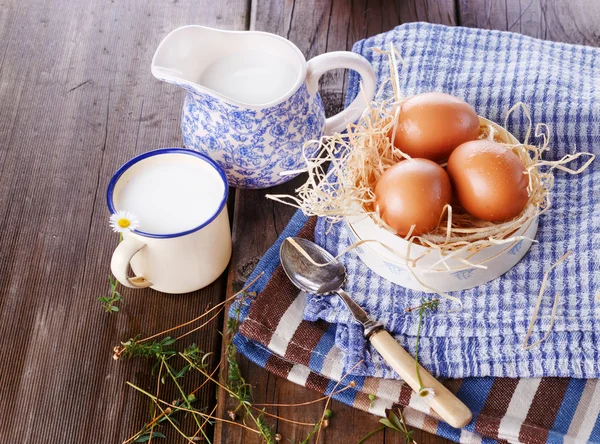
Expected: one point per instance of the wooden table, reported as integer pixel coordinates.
(76, 101)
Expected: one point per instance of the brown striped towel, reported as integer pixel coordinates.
(275, 336)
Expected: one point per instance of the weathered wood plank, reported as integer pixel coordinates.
(77, 101)
(315, 27)
(560, 20)
(432, 11)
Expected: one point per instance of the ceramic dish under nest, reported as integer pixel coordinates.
(424, 268)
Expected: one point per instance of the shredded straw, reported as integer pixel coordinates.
(343, 173)
(539, 302)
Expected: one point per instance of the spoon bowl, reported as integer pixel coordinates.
(319, 273)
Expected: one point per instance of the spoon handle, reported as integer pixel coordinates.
(446, 405)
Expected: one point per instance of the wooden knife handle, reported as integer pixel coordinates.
(446, 405)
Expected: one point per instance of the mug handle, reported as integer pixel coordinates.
(317, 66)
(119, 263)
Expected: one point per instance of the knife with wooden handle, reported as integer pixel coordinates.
(444, 402)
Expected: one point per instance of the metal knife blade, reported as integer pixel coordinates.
(370, 326)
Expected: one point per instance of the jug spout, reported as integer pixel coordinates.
(248, 68)
(184, 54)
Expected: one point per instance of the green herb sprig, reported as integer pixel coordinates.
(424, 308)
(109, 302)
(156, 349)
(394, 420)
(245, 414)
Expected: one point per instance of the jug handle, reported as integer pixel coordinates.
(317, 66)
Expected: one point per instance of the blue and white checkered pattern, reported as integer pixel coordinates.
(492, 71)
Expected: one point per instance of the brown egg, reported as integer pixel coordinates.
(432, 125)
(413, 192)
(489, 180)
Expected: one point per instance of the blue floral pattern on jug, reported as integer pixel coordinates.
(253, 145)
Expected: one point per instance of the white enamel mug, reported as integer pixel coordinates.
(178, 262)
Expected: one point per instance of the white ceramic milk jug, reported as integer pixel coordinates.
(252, 99)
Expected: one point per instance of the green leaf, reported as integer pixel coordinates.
(168, 341)
(181, 372)
(114, 308)
(393, 418)
(388, 424)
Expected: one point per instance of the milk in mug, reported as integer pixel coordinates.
(172, 195)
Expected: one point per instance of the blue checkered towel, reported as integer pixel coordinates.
(492, 71)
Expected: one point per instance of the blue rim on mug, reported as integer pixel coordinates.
(130, 163)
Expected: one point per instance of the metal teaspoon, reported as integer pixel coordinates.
(328, 280)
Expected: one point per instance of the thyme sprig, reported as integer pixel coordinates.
(164, 350)
(424, 308)
(166, 353)
(109, 302)
(135, 348)
(394, 420)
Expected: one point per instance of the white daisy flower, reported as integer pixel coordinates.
(123, 221)
(427, 393)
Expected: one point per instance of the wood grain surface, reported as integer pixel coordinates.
(76, 101)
